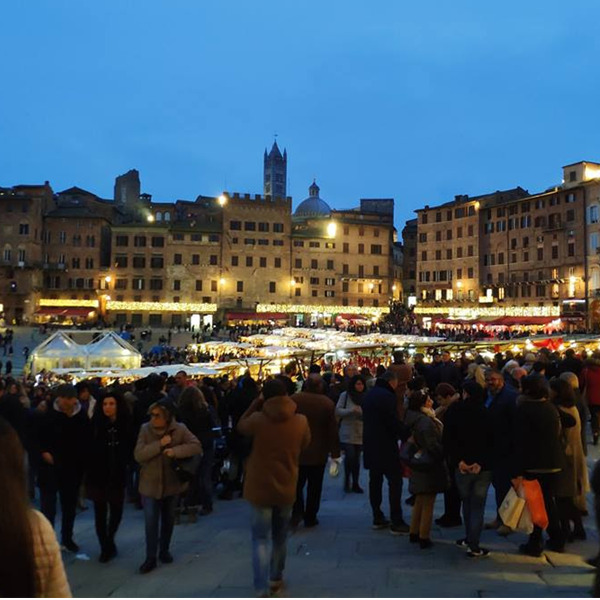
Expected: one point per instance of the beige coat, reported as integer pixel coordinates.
(573, 479)
(157, 477)
(51, 581)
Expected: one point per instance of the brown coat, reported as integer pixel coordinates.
(324, 436)
(157, 476)
(279, 435)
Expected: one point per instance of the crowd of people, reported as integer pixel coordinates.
(449, 426)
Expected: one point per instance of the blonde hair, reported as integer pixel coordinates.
(475, 372)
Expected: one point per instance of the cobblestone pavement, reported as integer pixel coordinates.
(341, 557)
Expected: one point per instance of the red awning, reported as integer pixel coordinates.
(254, 316)
(509, 321)
(59, 311)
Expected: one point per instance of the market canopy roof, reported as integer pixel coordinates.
(68, 311)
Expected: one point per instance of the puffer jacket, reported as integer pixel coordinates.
(157, 476)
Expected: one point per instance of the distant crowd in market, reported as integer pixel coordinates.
(175, 446)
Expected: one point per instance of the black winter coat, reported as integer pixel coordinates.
(467, 434)
(382, 428)
(538, 445)
(111, 450)
(502, 417)
(67, 439)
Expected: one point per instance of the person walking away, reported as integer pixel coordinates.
(539, 455)
(63, 442)
(279, 435)
(30, 561)
(501, 403)
(404, 373)
(432, 478)
(590, 381)
(447, 400)
(324, 439)
(572, 481)
(468, 444)
(199, 418)
(349, 412)
(382, 429)
(159, 443)
(111, 450)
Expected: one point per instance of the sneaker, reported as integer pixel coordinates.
(380, 523)
(445, 521)
(478, 552)
(148, 565)
(462, 543)
(504, 530)
(399, 528)
(166, 557)
(70, 545)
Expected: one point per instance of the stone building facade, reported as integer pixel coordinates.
(233, 257)
(513, 254)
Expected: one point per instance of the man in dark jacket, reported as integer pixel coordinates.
(14, 412)
(324, 439)
(64, 437)
(449, 372)
(381, 431)
(501, 404)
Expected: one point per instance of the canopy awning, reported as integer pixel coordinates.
(60, 311)
(256, 316)
(509, 321)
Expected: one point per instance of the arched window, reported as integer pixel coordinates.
(7, 255)
(167, 216)
(159, 216)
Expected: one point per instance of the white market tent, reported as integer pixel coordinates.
(61, 352)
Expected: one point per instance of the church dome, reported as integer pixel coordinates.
(313, 206)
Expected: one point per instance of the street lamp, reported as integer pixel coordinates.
(222, 200)
(331, 229)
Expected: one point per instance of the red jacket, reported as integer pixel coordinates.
(591, 382)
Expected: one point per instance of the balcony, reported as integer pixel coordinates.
(554, 225)
(54, 266)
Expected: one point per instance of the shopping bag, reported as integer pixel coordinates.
(511, 509)
(535, 502)
(525, 524)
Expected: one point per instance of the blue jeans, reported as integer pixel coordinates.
(156, 511)
(473, 491)
(272, 520)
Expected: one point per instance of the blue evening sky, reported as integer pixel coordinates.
(418, 101)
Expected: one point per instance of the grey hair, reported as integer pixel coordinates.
(570, 378)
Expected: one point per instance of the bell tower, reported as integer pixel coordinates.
(275, 173)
